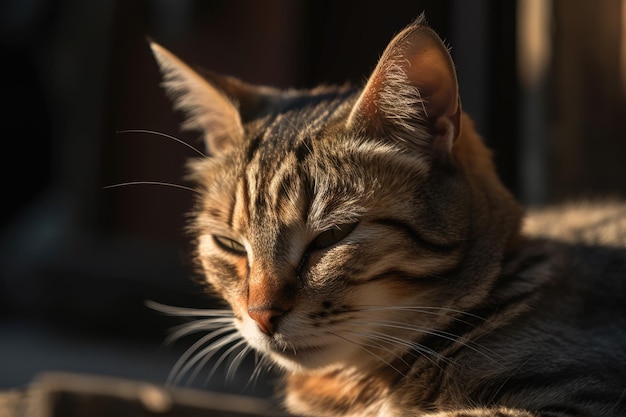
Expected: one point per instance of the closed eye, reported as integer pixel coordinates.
(229, 245)
(332, 236)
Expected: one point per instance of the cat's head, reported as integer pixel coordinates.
(336, 222)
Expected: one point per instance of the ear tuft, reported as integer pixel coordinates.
(207, 107)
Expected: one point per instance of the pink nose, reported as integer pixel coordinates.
(265, 318)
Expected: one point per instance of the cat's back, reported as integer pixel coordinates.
(599, 223)
(571, 342)
(584, 246)
(564, 350)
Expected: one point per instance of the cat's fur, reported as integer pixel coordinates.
(367, 246)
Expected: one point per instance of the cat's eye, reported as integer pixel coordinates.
(229, 245)
(332, 236)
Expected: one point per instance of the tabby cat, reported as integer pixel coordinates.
(366, 246)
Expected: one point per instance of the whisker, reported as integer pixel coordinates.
(511, 375)
(201, 357)
(425, 310)
(165, 135)
(164, 184)
(298, 131)
(360, 346)
(192, 355)
(196, 326)
(222, 332)
(432, 332)
(190, 312)
(258, 367)
(221, 359)
(172, 377)
(422, 351)
(237, 361)
(381, 338)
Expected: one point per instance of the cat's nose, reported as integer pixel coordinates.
(266, 318)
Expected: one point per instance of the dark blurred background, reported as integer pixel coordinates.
(544, 80)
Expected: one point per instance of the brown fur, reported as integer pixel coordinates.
(366, 245)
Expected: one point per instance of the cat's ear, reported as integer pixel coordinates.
(412, 95)
(207, 107)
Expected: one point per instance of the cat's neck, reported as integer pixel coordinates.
(492, 200)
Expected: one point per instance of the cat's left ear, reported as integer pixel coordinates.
(216, 105)
(412, 95)
(207, 108)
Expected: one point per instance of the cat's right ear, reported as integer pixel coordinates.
(207, 108)
(412, 95)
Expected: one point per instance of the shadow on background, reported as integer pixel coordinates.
(78, 262)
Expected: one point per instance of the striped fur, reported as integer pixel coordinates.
(367, 247)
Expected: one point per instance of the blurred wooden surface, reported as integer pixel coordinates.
(74, 395)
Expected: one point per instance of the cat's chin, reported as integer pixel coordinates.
(311, 359)
(315, 358)
(304, 360)
(294, 358)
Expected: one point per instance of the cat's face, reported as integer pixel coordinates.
(319, 238)
(335, 222)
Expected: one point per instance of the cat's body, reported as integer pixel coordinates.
(550, 338)
(366, 245)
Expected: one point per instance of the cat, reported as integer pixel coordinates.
(366, 246)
